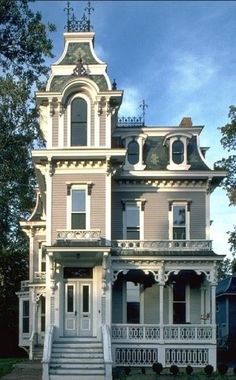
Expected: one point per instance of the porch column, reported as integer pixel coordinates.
(106, 291)
(50, 281)
(161, 349)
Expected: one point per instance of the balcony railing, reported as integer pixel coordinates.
(163, 245)
(24, 285)
(82, 235)
(132, 333)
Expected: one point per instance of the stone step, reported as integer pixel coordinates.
(76, 361)
(88, 355)
(78, 345)
(72, 350)
(65, 376)
(77, 339)
(79, 370)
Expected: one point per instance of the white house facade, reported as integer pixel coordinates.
(122, 271)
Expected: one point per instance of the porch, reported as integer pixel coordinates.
(144, 344)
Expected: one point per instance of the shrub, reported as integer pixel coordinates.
(143, 371)
(234, 370)
(174, 369)
(127, 370)
(222, 368)
(157, 368)
(208, 369)
(189, 370)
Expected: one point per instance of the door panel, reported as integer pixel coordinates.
(78, 308)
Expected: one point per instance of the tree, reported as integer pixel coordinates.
(228, 142)
(24, 45)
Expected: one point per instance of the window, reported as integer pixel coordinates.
(178, 145)
(78, 122)
(78, 209)
(42, 257)
(25, 317)
(133, 302)
(178, 152)
(133, 152)
(43, 312)
(132, 222)
(179, 303)
(134, 156)
(179, 220)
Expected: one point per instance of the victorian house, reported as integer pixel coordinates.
(122, 271)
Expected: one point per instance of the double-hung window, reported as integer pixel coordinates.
(78, 208)
(133, 219)
(179, 303)
(132, 222)
(25, 316)
(179, 220)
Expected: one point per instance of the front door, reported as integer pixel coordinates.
(78, 308)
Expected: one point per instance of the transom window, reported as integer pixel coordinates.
(78, 209)
(78, 122)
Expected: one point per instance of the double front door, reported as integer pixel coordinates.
(78, 308)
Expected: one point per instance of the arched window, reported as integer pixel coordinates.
(133, 152)
(79, 122)
(178, 152)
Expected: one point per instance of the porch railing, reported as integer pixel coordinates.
(106, 339)
(39, 276)
(64, 235)
(171, 333)
(47, 350)
(163, 245)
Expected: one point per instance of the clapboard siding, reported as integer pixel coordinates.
(156, 220)
(103, 129)
(55, 130)
(117, 303)
(60, 196)
(152, 304)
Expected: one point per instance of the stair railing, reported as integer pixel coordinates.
(106, 339)
(47, 351)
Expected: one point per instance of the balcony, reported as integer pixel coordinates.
(74, 237)
(162, 245)
(40, 277)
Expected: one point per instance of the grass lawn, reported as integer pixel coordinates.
(7, 364)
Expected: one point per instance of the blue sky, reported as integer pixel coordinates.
(180, 56)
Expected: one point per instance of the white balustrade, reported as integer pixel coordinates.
(135, 356)
(162, 245)
(78, 235)
(24, 284)
(171, 333)
(196, 357)
(135, 333)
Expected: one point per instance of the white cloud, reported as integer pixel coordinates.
(190, 72)
(131, 101)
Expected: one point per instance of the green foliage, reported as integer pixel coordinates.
(24, 47)
(6, 365)
(228, 142)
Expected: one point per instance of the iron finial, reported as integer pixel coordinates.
(68, 11)
(143, 107)
(89, 9)
(114, 85)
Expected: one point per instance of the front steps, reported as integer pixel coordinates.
(77, 359)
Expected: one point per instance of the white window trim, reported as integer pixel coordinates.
(186, 205)
(140, 139)
(183, 165)
(24, 335)
(88, 101)
(87, 204)
(137, 202)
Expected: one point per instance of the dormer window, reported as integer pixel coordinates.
(177, 145)
(134, 156)
(78, 122)
(178, 152)
(133, 152)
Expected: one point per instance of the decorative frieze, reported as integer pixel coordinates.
(162, 245)
(87, 164)
(163, 183)
(78, 235)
